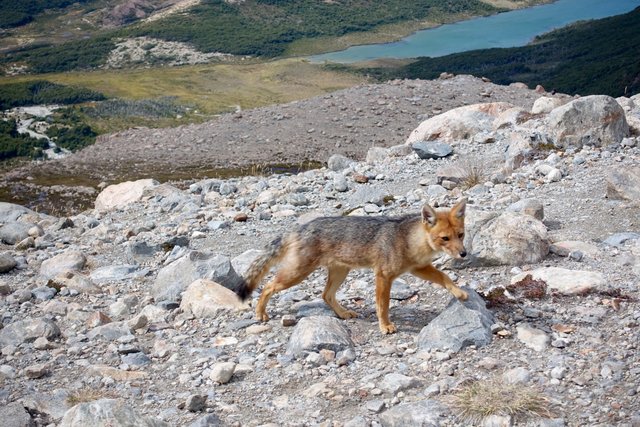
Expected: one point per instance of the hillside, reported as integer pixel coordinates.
(123, 314)
(252, 27)
(600, 56)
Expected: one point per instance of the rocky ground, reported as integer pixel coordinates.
(347, 122)
(122, 314)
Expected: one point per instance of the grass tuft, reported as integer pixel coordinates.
(85, 395)
(476, 400)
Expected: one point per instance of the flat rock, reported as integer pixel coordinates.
(116, 273)
(432, 149)
(120, 195)
(107, 413)
(532, 337)
(206, 298)
(565, 247)
(22, 331)
(567, 282)
(461, 324)
(317, 333)
(394, 382)
(424, 413)
(68, 261)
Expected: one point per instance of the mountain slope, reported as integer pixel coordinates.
(600, 56)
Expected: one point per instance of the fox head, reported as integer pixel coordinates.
(445, 229)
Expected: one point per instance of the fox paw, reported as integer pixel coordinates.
(462, 295)
(348, 314)
(262, 317)
(388, 328)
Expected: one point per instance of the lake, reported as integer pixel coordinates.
(509, 29)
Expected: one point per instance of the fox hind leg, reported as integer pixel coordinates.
(288, 276)
(335, 277)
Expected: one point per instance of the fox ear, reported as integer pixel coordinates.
(459, 209)
(429, 215)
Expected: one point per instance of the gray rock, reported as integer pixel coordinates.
(28, 331)
(424, 413)
(357, 421)
(394, 382)
(532, 337)
(432, 149)
(14, 232)
(7, 263)
(242, 262)
(173, 279)
(340, 183)
(400, 290)
(142, 251)
(67, 261)
(43, 293)
(313, 308)
(317, 333)
(376, 155)
(107, 413)
(530, 207)
(116, 273)
(210, 420)
(52, 404)
(594, 120)
(11, 212)
(624, 184)
(196, 403)
(15, 415)
(461, 324)
(509, 239)
(338, 162)
(110, 332)
(135, 359)
(618, 239)
(222, 372)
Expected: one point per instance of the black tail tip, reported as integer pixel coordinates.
(243, 291)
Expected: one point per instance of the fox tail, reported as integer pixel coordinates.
(260, 267)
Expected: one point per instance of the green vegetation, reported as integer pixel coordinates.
(267, 27)
(70, 130)
(43, 92)
(592, 57)
(75, 55)
(14, 13)
(14, 144)
(252, 27)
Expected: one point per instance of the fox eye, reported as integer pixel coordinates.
(445, 238)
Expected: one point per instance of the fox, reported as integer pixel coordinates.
(389, 245)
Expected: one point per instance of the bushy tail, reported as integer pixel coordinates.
(260, 267)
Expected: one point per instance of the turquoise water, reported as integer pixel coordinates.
(508, 29)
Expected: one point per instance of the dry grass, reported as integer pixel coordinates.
(474, 171)
(213, 88)
(474, 401)
(85, 395)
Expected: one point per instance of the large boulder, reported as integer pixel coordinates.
(624, 184)
(459, 123)
(423, 413)
(594, 120)
(107, 413)
(13, 232)
(12, 212)
(120, 195)
(461, 324)
(508, 239)
(206, 298)
(173, 279)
